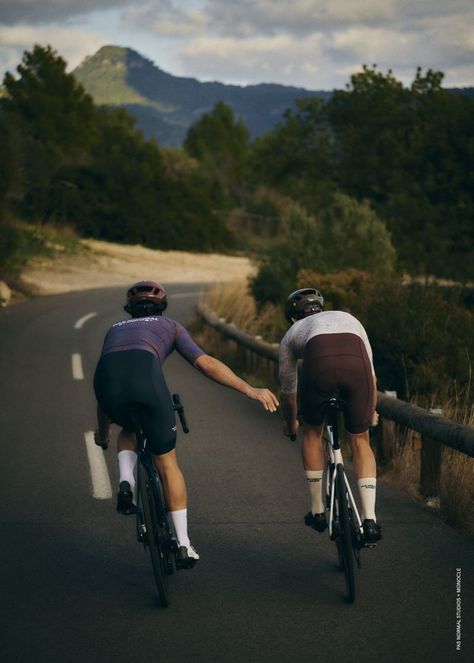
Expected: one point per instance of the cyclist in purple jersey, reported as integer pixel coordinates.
(129, 373)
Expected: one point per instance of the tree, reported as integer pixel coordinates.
(345, 234)
(409, 151)
(55, 119)
(297, 157)
(220, 143)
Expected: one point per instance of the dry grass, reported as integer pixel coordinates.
(233, 303)
(457, 490)
(403, 457)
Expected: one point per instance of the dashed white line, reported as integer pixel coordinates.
(83, 320)
(101, 488)
(77, 372)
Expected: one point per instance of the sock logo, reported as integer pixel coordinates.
(368, 485)
(314, 480)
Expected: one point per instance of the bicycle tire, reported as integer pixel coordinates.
(344, 539)
(164, 530)
(154, 543)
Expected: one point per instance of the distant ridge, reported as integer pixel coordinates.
(165, 106)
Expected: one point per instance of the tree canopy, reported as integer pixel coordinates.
(73, 162)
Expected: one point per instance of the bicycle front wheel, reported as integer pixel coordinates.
(344, 543)
(153, 538)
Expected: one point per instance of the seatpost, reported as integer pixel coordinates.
(333, 409)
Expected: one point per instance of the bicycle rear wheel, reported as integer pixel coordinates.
(344, 538)
(154, 539)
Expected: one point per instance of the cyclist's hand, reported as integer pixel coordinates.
(268, 400)
(101, 443)
(375, 418)
(290, 431)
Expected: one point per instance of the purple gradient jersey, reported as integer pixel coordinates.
(157, 334)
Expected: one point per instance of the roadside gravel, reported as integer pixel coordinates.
(104, 263)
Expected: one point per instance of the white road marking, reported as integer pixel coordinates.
(77, 372)
(83, 320)
(101, 488)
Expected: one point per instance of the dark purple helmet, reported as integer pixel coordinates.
(146, 298)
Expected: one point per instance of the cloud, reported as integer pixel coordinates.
(299, 17)
(37, 12)
(166, 18)
(72, 45)
(310, 43)
(259, 59)
(432, 45)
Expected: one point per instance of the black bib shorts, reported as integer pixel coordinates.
(130, 383)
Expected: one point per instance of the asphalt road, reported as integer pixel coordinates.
(76, 587)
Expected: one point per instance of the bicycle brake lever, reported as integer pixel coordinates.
(178, 407)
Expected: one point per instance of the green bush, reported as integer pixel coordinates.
(345, 234)
(421, 335)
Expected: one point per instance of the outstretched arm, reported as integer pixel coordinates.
(102, 433)
(216, 370)
(289, 410)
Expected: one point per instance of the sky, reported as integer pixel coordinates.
(315, 44)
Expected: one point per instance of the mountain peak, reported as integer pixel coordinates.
(111, 55)
(165, 106)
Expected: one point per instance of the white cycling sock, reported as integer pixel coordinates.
(180, 524)
(314, 479)
(367, 490)
(127, 460)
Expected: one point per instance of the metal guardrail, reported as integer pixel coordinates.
(434, 429)
(266, 350)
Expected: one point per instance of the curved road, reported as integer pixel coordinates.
(75, 587)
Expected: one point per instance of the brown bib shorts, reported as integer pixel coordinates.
(337, 364)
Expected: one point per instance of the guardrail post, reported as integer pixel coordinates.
(430, 471)
(384, 437)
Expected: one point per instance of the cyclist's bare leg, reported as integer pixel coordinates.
(312, 449)
(174, 485)
(174, 488)
(313, 462)
(126, 441)
(363, 459)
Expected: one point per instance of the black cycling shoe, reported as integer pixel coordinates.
(372, 532)
(186, 557)
(317, 521)
(125, 503)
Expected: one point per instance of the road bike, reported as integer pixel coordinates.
(344, 521)
(153, 528)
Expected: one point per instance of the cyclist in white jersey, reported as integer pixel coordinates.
(337, 359)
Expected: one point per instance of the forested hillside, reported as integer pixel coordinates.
(165, 106)
(67, 161)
